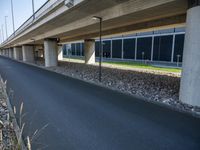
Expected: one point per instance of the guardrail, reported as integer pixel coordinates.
(36, 16)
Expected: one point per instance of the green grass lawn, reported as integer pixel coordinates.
(130, 65)
(143, 66)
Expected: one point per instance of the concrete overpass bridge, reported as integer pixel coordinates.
(62, 21)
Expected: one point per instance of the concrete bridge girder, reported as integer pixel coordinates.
(117, 16)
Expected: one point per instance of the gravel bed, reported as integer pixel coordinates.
(8, 135)
(154, 86)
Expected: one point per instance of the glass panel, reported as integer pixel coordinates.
(78, 49)
(117, 48)
(65, 49)
(163, 48)
(82, 52)
(144, 48)
(97, 49)
(129, 48)
(73, 48)
(106, 49)
(178, 47)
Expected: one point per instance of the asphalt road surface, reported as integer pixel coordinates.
(82, 116)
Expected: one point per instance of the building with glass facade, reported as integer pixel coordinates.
(161, 46)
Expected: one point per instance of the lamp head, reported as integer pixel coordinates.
(96, 17)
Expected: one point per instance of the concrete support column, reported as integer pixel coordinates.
(190, 81)
(4, 52)
(51, 52)
(60, 52)
(28, 53)
(89, 51)
(11, 52)
(18, 53)
(7, 52)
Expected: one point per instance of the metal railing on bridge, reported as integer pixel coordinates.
(44, 9)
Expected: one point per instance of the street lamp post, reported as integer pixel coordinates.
(13, 20)
(2, 32)
(6, 26)
(33, 9)
(0, 37)
(100, 45)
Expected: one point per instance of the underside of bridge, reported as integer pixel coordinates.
(119, 17)
(61, 25)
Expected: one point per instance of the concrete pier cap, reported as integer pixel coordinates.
(190, 81)
(51, 52)
(89, 51)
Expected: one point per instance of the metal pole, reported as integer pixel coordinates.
(173, 47)
(13, 19)
(100, 50)
(70, 52)
(1, 37)
(122, 52)
(152, 47)
(2, 32)
(33, 9)
(178, 59)
(143, 56)
(100, 45)
(136, 47)
(6, 27)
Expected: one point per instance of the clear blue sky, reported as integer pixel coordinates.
(22, 11)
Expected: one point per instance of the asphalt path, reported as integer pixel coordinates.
(82, 116)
